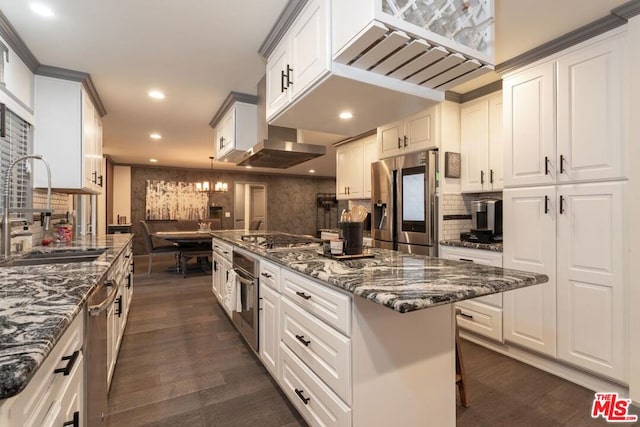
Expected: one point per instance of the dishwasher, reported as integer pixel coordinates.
(96, 349)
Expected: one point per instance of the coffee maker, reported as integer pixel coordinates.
(486, 218)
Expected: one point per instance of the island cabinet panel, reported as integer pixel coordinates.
(403, 366)
(270, 275)
(326, 304)
(324, 350)
(591, 282)
(530, 245)
(269, 333)
(317, 403)
(50, 395)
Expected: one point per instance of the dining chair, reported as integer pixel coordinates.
(155, 248)
(255, 224)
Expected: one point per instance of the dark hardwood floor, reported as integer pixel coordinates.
(183, 364)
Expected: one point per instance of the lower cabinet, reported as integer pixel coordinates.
(55, 395)
(482, 315)
(222, 253)
(269, 325)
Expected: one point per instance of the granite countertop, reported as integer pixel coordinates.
(494, 247)
(402, 282)
(39, 302)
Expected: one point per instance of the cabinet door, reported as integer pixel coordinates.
(269, 329)
(349, 180)
(88, 141)
(309, 44)
(529, 223)
(591, 279)
(591, 124)
(474, 145)
(496, 145)
(419, 131)
(529, 127)
(390, 139)
(342, 172)
(226, 134)
(370, 155)
(72, 399)
(277, 92)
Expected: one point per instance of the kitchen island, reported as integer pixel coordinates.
(370, 341)
(39, 304)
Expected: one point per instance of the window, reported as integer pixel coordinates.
(15, 140)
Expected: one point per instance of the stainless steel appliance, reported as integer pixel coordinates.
(404, 199)
(96, 351)
(246, 320)
(486, 219)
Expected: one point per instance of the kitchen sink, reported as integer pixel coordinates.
(57, 257)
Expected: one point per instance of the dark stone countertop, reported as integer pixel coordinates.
(494, 247)
(402, 282)
(39, 302)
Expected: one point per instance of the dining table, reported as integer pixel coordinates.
(190, 244)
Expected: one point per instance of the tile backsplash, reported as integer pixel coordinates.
(456, 212)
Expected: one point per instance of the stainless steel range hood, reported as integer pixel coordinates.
(278, 147)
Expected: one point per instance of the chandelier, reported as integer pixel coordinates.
(219, 187)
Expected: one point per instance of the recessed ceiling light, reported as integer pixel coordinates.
(42, 10)
(155, 136)
(153, 160)
(156, 94)
(248, 167)
(346, 115)
(312, 171)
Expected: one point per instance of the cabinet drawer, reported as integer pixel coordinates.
(481, 319)
(327, 304)
(270, 275)
(311, 397)
(324, 350)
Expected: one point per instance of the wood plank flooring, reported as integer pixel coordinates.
(182, 363)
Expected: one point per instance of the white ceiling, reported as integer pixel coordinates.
(197, 51)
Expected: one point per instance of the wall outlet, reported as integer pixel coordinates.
(227, 214)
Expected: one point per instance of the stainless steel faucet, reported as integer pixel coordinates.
(6, 195)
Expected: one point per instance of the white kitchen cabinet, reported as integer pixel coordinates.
(52, 398)
(529, 227)
(482, 315)
(415, 133)
(529, 127)
(237, 131)
(591, 261)
(481, 144)
(269, 324)
(590, 126)
(67, 133)
(353, 168)
(572, 132)
(301, 58)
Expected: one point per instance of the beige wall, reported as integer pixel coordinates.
(121, 193)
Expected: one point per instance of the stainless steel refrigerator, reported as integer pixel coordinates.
(404, 200)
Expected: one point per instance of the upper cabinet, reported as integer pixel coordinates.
(377, 59)
(68, 133)
(416, 132)
(353, 168)
(481, 144)
(572, 132)
(236, 127)
(301, 58)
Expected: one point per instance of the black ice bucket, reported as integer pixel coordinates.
(352, 235)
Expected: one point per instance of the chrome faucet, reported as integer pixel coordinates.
(6, 193)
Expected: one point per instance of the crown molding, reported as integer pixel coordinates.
(75, 76)
(627, 10)
(563, 42)
(232, 98)
(452, 96)
(284, 21)
(11, 36)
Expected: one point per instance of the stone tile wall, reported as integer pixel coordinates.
(291, 200)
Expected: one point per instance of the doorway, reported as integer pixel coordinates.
(250, 205)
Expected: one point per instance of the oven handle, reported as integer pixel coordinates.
(244, 278)
(95, 310)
